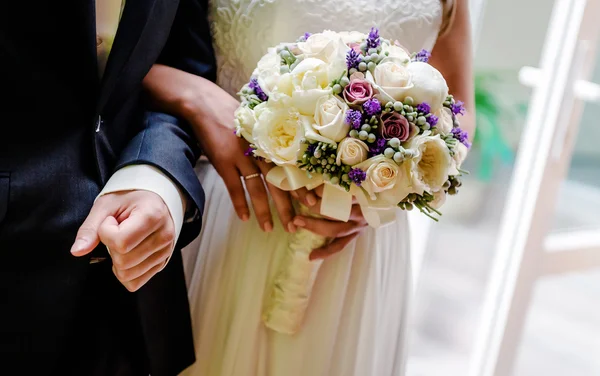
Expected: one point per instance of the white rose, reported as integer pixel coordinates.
(267, 71)
(278, 133)
(429, 86)
(393, 80)
(244, 122)
(460, 154)
(395, 52)
(330, 119)
(445, 122)
(310, 82)
(351, 152)
(431, 163)
(439, 198)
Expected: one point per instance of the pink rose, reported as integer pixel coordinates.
(355, 47)
(359, 90)
(394, 125)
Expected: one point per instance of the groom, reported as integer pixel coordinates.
(85, 167)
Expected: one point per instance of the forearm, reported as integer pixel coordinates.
(176, 92)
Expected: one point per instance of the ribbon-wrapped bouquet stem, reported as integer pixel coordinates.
(361, 115)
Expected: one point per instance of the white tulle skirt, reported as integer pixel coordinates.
(355, 324)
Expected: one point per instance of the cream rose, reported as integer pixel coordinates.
(439, 198)
(327, 46)
(429, 86)
(460, 154)
(431, 163)
(349, 37)
(330, 113)
(395, 52)
(244, 122)
(445, 122)
(393, 80)
(309, 82)
(351, 152)
(386, 183)
(278, 133)
(267, 71)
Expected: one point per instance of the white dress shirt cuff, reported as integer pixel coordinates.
(149, 178)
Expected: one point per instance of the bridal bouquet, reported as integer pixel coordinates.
(361, 115)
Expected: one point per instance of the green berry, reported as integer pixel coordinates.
(324, 162)
(421, 120)
(374, 55)
(371, 138)
(367, 59)
(389, 153)
(317, 153)
(337, 89)
(320, 170)
(330, 160)
(426, 126)
(326, 176)
(344, 81)
(366, 128)
(410, 118)
(363, 135)
(314, 160)
(394, 142)
(335, 180)
(408, 206)
(389, 105)
(452, 191)
(285, 54)
(345, 177)
(372, 66)
(362, 66)
(352, 71)
(372, 51)
(354, 133)
(398, 106)
(398, 157)
(408, 108)
(409, 101)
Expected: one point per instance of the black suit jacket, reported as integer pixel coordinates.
(63, 132)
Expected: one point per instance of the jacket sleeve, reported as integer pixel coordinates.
(165, 141)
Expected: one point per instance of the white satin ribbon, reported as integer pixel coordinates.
(336, 202)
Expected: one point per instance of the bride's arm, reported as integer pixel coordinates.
(453, 57)
(210, 112)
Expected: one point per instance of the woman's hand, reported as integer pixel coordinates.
(342, 233)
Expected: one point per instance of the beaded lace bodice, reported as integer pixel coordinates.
(243, 30)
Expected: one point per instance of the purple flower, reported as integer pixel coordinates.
(372, 107)
(311, 149)
(394, 125)
(377, 147)
(461, 136)
(424, 108)
(352, 59)
(354, 118)
(373, 38)
(433, 120)
(357, 176)
(257, 90)
(249, 151)
(307, 35)
(458, 108)
(358, 91)
(422, 56)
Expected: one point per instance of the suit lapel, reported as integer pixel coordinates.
(135, 17)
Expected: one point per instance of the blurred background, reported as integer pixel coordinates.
(458, 266)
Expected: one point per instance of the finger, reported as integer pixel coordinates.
(87, 236)
(157, 257)
(308, 198)
(137, 283)
(327, 228)
(235, 187)
(141, 223)
(285, 209)
(334, 247)
(258, 194)
(153, 243)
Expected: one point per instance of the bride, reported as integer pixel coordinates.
(355, 323)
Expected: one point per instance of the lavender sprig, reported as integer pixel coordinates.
(257, 90)
(353, 59)
(354, 118)
(422, 56)
(357, 176)
(458, 108)
(373, 40)
(461, 136)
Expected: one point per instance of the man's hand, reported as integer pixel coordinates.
(138, 231)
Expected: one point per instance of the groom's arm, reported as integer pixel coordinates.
(162, 156)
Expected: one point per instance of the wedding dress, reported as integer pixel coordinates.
(355, 323)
